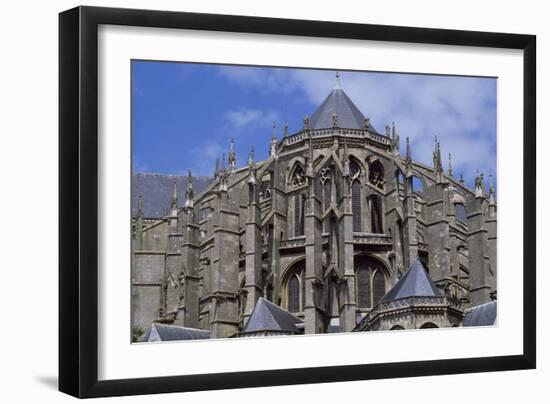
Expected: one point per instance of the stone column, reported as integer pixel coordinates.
(253, 248)
(437, 232)
(480, 287)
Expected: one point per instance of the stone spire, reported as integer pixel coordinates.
(189, 193)
(139, 212)
(491, 191)
(450, 168)
(223, 176)
(231, 157)
(174, 204)
(273, 145)
(408, 159)
(217, 171)
(251, 167)
(395, 140)
(285, 129)
(438, 167)
(251, 157)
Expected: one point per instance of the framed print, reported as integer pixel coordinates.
(251, 201)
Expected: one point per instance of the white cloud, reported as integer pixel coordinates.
(239, 119)
(202, 159)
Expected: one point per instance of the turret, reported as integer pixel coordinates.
(232, 158)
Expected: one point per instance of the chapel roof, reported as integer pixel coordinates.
(484, 314)
(349, 116)
(165, 332)
(270, 317)
(415, 282)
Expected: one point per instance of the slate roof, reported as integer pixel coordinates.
(156, 191)
(484, 314)
(349, 116)
(414, 282)
(270, 317)
(164, 332)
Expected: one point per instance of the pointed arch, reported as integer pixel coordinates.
(371, 280)
(376, 214)
(294, 287)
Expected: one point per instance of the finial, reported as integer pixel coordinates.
(306, 122)
(393, 131)
(334, 119)
(189, 193)
(232, 157)
(461, 178)
(367, 122)
(175, 195)
(450, 168)
(285, 129)
(217, 170)
(251, 157)
(387, 127)
(408, 158)
(139, 206)
(337, 80)
(223, 162)
(491, 191)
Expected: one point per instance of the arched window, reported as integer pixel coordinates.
(356, 205)
(378, 286)
(299, 214)
(298, 178)
(375, 203)
(461, 212)
(370, 281)
(429, 325)
(294, 298)
(294, 294)
(376, 174)
(396, 327)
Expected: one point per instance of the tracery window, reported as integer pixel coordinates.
(370, 282)
(299, 214)
(295, 289)
(355, 173)
(376, 174)
(375, 203)
(298, 178)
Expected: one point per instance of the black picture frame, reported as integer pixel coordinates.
(78, 196)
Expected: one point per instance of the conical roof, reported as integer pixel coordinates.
(270, 317)
(338, 102)
(414, 282)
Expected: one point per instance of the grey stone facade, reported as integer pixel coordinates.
(324, 228)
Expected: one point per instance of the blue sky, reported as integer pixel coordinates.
(184, 115)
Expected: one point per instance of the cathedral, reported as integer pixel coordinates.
(338, 230)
